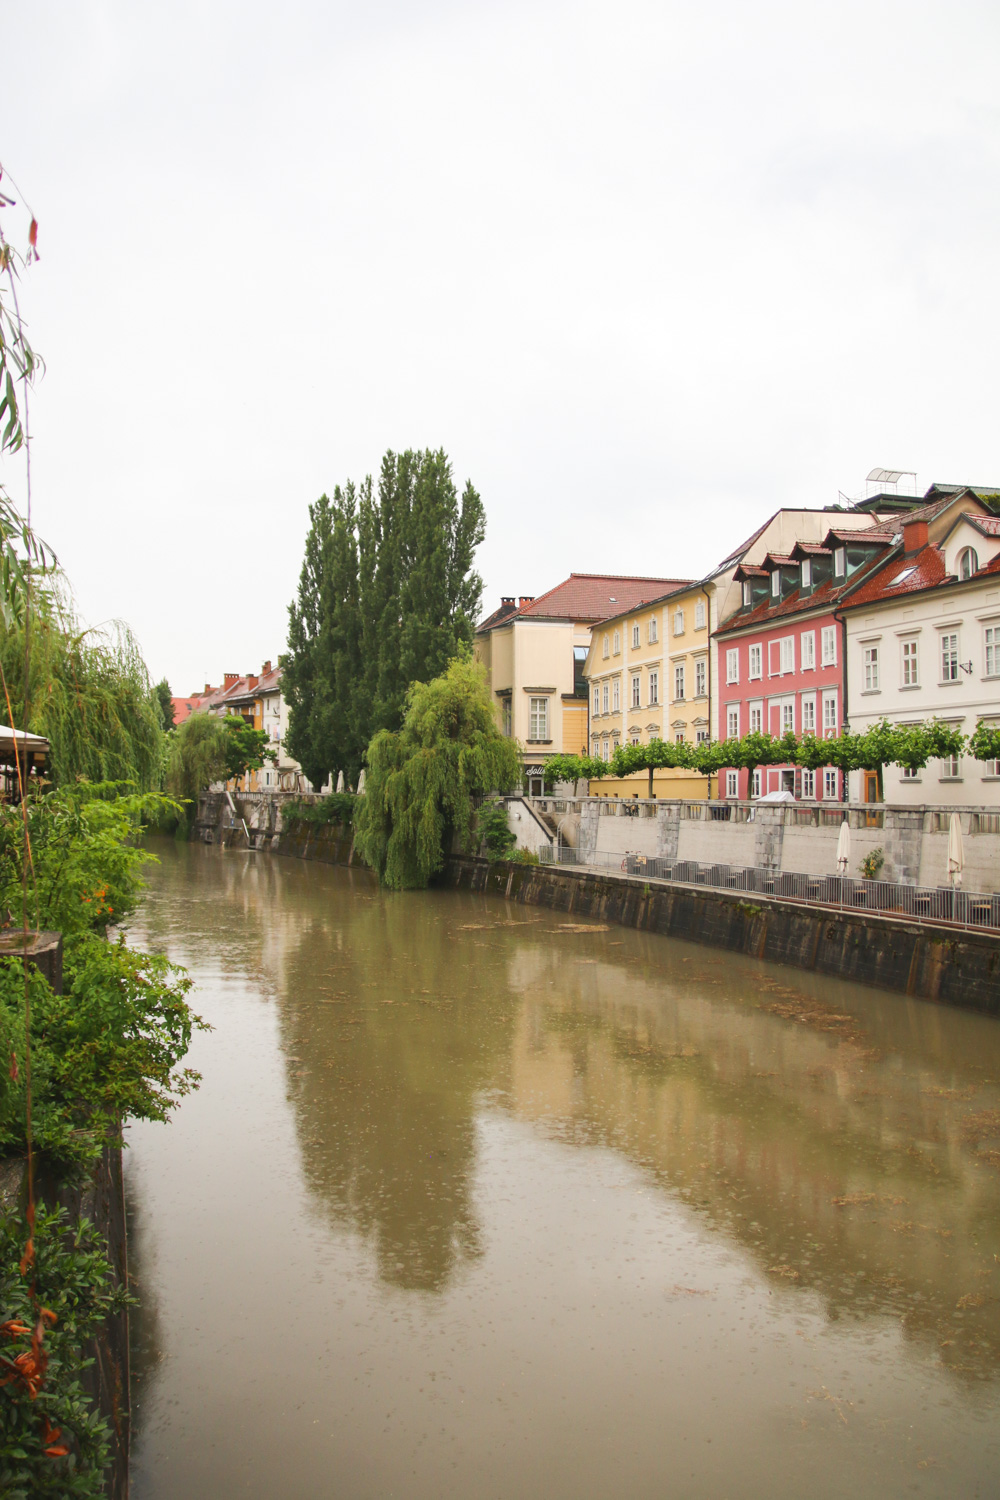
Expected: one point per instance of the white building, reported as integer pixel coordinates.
(923, 642)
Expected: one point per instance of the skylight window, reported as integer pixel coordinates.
(902, 577)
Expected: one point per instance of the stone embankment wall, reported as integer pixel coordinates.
(778, 836)
(957, 968)
(931, 963)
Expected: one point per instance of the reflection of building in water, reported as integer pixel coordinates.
(833, 1145)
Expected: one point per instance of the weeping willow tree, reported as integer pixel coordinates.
(87, 691)
(421, 782)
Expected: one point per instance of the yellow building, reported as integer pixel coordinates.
(648, 674)
(535, 650)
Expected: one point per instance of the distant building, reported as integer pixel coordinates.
(534, 650)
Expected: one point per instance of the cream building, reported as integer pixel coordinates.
(535, 650)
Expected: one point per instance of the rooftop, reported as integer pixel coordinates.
(588, 597)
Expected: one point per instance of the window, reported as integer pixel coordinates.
(635, 739)
(871, 669)
(539, 727)
(654, 688)
(949, 657)
(908, 773)
(829, 715)
(808, 713)
(700, 679)
(755, 667)
(788, 653)
(732, 784)
(807, 650)
(806, 573)
(699, 615)
(808, 783)
(788, 717)
(652, 633)
(828, 645)
(968, 562)
(701, 738)
(597, 700)
(950, 768)
(991, 768)
(506, 706)
(635, 636)
(776, 583)
(756, 718)
(839, 562)
(679, 737)
(636, 699)
(993, 650)
(910, 664)
(830, 784)
(605, 701)
(757, 784)
(678, 622)
(617, 643)
(747, 596)
(679, 680)
(616, 701)
(733, 721)
(733, 666)
(605, 650)
(605, 750)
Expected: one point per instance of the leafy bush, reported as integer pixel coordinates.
(871, 865)
(52, 1441)
(494, 830)
(338, 807)
(525, 857)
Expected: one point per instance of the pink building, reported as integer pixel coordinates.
(781, 656)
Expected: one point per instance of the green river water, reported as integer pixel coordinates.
(477, 1200)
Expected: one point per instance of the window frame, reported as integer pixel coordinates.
(538, 717)
(732, 664)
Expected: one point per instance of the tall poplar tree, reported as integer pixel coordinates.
(387, 596)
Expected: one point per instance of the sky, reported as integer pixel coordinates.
(645, 271)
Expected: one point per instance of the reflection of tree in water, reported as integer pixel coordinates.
(836, 1148)
(396, 1028)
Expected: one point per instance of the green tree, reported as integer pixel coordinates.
(387, 596)
(206, 748)
(165, 699)
(418, 799)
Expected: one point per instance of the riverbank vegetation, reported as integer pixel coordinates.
(205, 749)
(387, 596)
(337, 808)
(423, 781)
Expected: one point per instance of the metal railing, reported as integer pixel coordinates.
(937, 904)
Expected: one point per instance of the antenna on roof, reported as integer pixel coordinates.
(887, 480)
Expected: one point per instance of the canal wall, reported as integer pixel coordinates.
(952, 968)
(921, 960)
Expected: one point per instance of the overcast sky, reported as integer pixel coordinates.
(645, 271)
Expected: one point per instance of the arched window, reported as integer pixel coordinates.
(968, 562)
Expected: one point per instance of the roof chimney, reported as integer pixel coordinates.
(208, 689)
(266, 668)
(229, 678)
(525, 599)
(252, 682)
(507, 599)
(914, 536)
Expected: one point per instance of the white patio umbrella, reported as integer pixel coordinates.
(361, 783)
(844, 847)
(340, 781)
(956, 854)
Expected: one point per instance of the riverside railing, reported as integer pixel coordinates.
(936, 904)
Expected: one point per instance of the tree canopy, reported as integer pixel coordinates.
(422, 779)
(207, 748)
(387, 596)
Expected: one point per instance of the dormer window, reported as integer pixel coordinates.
(968, 562)
(776, 584)
(806, 573)
(839, 562)
(746, 593)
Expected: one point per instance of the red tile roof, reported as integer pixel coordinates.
(825, 596)
(590, 597)
(988, 525)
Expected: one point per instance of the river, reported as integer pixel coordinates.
(477, 1200)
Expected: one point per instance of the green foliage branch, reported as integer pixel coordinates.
(337, 808)
(496, 836)
(422, 779)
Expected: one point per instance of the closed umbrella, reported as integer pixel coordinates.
(361, 783)
(844, 847)
(340, 781)
(956, 855)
